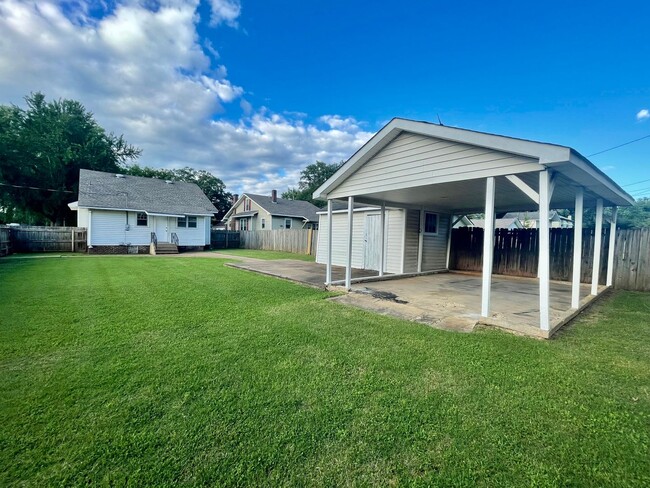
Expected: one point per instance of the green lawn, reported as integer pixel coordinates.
(182, 371)
(259, 254)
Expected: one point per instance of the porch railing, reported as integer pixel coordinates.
(175, 238)
(154, 240)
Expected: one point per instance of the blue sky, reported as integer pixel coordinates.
(255, 90)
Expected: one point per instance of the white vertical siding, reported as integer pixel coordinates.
(394, 219)
(415, 160)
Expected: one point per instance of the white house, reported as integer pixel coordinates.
(420, 174)
(132, 214)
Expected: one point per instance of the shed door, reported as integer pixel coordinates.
(372, 242)
(161, 229)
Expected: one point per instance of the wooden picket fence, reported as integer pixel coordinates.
(299, 241)
(26, 239)
(516, 253)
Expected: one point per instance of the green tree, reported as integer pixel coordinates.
(313, 176)
(213, 187)
(42, 149)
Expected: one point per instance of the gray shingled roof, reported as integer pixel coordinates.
(104, 190)
(284, 207)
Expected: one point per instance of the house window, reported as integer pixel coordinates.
(263, 223)
(142, 219)
(247, 205)
(181, 222)
(287, 223)
(243, 224)
(187, 221)
(430, 223)
(191, 222)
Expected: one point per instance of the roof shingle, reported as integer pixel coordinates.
(98, 189)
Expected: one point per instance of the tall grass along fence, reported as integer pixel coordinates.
(224, 239)
(299, 241)
(516, 253)
(42, 239)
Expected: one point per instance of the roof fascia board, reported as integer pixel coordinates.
(229, 212)
(545, 153)
(376, 143)
(148, 213)
(588, 167)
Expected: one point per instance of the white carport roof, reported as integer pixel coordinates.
(464, 189)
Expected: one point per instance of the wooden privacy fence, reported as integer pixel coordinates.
(516, 253)
(224, 239)
(47, 239)
(5, 242)
(299, 241)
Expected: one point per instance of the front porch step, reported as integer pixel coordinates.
(166, 248)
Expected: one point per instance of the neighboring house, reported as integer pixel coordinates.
(123, 213)
(262, 212)
(530, 220)
(504, 223)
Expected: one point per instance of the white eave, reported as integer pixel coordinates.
(559, 158)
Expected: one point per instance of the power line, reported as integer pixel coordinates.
(620, 145)
(636, 183)
(35, 188)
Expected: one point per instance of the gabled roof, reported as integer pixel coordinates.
(99, 190)
(503, 223)
(564, 160)
(282, 208)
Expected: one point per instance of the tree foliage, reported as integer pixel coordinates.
(313, 176)
(43, 147)
(213, 187)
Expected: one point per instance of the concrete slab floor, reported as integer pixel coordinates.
(452, 301)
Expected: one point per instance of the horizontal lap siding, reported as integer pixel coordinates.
(340, 240)
(414, 160)
(412, 241)
(434, 247)
(109, 229)
(192, 236)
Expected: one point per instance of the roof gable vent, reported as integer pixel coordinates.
(120, 176)
(169, 182)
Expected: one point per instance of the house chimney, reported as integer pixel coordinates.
(274, 196)
(235, 197)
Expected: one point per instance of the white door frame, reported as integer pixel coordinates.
(158, 222)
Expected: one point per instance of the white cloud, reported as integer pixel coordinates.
(643, 114)
(145, 74)
(226, 11)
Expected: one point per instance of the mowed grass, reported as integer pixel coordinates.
(174, 371)
(260, 254)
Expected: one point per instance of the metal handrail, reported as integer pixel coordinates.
(154, 240)
(174, 238)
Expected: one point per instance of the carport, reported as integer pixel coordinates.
(432, 170)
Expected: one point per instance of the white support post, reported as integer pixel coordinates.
(328, 272)
(488, 247)
(450, 228)
(598, 238)
(577, 248)
(382, 255)
(348, 268)
(420, 239)
(612, 244)
(89, 241)
(544, 267)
